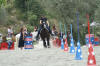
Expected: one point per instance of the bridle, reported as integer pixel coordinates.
(44, 25)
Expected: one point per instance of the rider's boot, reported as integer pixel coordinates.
(48, 27)
(37, 37)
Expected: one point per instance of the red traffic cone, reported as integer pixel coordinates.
(66, 45)
(91, 57)
(54, 42)
(4, 46)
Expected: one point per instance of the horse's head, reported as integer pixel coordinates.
(44, 29)
(44, 25)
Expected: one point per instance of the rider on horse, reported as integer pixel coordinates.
(43, 20)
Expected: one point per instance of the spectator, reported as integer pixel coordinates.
(21, 39)
(10, 32)
(25, 30)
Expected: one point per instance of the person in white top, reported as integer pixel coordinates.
(34, 33)
(10, 32)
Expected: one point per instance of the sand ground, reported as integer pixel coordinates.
(40, 56)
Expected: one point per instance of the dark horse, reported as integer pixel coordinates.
(45, 35)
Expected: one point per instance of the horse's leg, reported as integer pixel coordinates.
(48, 43)
(44, 43)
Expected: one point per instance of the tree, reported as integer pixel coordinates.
(31, 10)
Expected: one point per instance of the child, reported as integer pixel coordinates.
(4, 44)
(11, 41)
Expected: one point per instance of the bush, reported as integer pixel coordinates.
(29, 28)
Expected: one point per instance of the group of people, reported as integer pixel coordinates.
(23, 32)
(35, 34)
(7, 40)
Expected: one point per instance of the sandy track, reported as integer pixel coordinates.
(45, 57)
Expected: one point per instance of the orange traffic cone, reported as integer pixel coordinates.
(66, 45)
(91, 57)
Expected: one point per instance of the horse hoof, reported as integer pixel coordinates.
(48, 46)
(45, 46)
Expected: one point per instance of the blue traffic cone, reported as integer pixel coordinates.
(62, 44)
(78, 52)
(72, 48)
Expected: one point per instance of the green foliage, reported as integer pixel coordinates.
(30, 28)
(3, 15)
(32, 18)
(3, 2)
(20, 4)
(29, 11)
(97, 18)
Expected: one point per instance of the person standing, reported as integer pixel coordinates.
(35, 29)
(54, 31)
(21, 39)
(25, 30)
(10, 32)
(34, 33)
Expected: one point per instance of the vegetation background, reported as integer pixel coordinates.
(16, 13)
